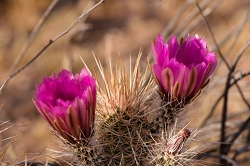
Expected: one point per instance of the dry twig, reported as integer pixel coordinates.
(84, 13)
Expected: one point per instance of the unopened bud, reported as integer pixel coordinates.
(175, 144)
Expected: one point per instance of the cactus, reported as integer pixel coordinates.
(124, 110)
(129, 129)
(136, 118)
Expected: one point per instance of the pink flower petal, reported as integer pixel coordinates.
(68, 103)
(182, 68)
(167, 79)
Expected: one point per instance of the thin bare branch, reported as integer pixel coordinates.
(32, 36)
(190, 17)
(221, 96)
(238, 33)
(173, 21)
(241, 150)
(169, 28)
(238, 56)
(224, 111)
(236, 135)
(227, 37)
(238, 29)
(211, 33)
(242, 96)
(223, 147)
(84, 13)
(194, 24)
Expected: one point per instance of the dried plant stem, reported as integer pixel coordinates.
(241, 150)
(240, 78)
(223, 147)
(221, 96)
(32, 36)
(224, 112)
(84, 13)
(30, 40)
(190, 17)
(227, 38)
(211, 33)
(170, 26)
(236, 135)
(229, 160)
(183, 29)
(173, 21)
(238, 29)
(242, 96)
(194, 24)
(238, 33)
(3, 152)
(239, 55)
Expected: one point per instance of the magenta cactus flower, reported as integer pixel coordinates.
(182, 69)
(68, 104)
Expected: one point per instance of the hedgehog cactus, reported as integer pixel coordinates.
(181, 71)
(68, 102)
(125, 130)
(134, 120)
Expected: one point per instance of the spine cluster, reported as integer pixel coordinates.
(129, 117)
(133, 123)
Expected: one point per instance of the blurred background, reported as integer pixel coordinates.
(117, 28)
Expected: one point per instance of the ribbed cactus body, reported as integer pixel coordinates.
(126, 140)
(135, 123)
